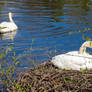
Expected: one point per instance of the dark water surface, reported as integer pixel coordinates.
(46, 27)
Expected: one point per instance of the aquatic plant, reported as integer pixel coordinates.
(7, 69)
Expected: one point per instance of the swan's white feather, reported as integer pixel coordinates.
(7, 27)
(73, 60)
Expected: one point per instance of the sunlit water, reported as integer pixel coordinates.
(46, 28)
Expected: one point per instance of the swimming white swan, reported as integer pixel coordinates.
(75, 60)
(8, 26)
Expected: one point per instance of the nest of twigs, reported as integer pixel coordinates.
(48, 78)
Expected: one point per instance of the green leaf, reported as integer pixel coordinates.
(83, 37)
(3, 71)
(14, 53)
(0, 66)
(17, 63)
(0, 55)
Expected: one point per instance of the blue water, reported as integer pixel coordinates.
(46, 28)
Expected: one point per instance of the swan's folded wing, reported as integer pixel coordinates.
(70, 62)
(4, 24)
(7, 27)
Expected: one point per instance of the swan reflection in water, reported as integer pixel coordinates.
(9, 35)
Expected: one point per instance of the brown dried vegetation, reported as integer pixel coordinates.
(48, 78)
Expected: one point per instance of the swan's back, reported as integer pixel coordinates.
(7, 27)
(72, 60)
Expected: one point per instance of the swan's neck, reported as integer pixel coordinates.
(84, 46)
(10, 18)
(82, 49)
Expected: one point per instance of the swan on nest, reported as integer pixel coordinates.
(8, 26)
(75, 60)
